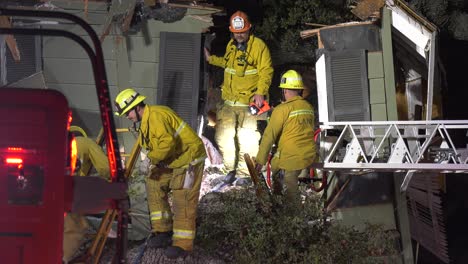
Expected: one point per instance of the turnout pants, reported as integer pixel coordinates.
(75, 227)
(181, 219)
(236, 134)
(286, 181)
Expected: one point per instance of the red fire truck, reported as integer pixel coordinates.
(37, 158)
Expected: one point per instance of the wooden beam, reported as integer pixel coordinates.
(312, 32)
(315, 24)
(10, 39)
(200, 7)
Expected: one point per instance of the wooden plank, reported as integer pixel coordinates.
(10, 40)
(312, 32)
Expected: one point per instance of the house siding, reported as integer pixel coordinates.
(131, 61)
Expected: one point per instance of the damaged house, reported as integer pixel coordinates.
(374, 78)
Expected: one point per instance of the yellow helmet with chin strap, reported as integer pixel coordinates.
(126, 100)
(291, 80)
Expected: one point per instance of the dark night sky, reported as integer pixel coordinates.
(251, 7)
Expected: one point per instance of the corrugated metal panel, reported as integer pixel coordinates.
(425, 211)
(179, 74)
(347, 86)
(30, 59)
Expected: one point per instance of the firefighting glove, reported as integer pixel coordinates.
(155, 172)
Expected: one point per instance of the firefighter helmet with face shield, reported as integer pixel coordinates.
(127, 100)
(239, 22)
(291, 80)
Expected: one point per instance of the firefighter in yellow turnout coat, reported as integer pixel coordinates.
(247, 77)
(177, 157)
(75, 225)
(291, 128)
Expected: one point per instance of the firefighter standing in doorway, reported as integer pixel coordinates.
(75, 225)
(247, 77)
(291, 129)
(177, 157)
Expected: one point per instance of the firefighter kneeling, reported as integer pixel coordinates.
(177, 156)
(76, 226)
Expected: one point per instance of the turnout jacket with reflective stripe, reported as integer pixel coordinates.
(245, 72)
(168, 138)
(291, 128)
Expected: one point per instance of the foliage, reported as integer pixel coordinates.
(239, 228)
(450, 16)
(283, 21)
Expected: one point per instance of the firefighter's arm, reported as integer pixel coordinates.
(221, 61)
(270, 136)
(162, 139)
(155, 172)
(216, 61)
(265, 71)
(193, 149)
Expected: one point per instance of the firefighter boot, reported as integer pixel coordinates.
(230, 177)
(160, 240)
(227, 180)
(174, 252)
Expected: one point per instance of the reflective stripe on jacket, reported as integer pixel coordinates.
(245, 73)
(168, 138)
(291, 127)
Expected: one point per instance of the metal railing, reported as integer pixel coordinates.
(396, 146)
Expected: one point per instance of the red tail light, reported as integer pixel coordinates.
(14, 149)
(14, 160)
(70, 118)
(25, 175)
(73, 154)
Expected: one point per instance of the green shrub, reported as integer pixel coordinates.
(284, 20)
(239, 228)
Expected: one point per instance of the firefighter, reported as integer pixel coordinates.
(247, 77)
(177, 157)
(75, 225)
(291, 129)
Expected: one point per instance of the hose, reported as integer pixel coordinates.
(142, 250)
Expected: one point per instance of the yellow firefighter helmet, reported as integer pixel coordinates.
(126, 100)
(291, 80)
